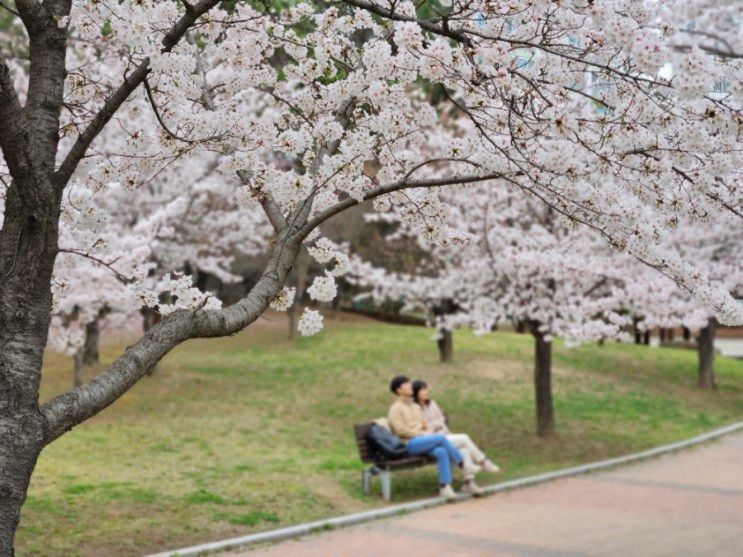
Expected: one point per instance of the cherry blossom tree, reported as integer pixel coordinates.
(120, 246)
(515, 259)
(293, 102)
(658, 302)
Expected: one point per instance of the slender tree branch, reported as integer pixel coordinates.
(163, 125)
(11, 10)
(123, 278)
(397, 185)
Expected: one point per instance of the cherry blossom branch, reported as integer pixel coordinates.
(465, 38)
(130, 83)
(65, 411)
(123, 278)
(729, 53)
(270, 207)
(159, 118)
(397, 185)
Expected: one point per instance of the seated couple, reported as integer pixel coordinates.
(418, 421)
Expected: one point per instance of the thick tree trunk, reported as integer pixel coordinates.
(28, 244)
(543, 385)
(29, 137)
(20, 445)
(706, 343)
(446, 345)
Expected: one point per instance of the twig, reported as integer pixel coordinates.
(120, 276)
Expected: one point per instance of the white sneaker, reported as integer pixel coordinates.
(490, 466)
(469, 471)
(447, 493)
(472, 488)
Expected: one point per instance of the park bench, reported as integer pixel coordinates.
(382, 468)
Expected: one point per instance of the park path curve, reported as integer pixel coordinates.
(688, 503)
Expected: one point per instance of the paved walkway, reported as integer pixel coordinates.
(684, 504)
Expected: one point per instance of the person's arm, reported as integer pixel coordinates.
(400, 425)
(439, 423)
(428, 426)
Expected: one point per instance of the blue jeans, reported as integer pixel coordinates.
(440, 448)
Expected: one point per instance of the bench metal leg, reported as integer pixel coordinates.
(385, 479)
(366, 475)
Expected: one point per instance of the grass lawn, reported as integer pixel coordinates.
(253, 432)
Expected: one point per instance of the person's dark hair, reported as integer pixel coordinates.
(417, 386)
(396, 382)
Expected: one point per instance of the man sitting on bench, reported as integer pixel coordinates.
(406, 421)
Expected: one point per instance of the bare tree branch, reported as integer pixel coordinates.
(123, 278)
(11, 10)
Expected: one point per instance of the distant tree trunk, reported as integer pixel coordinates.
(706, 343)
(686, 333)
(520, 327)
(646, 338)
(294, 308)
(446, 337)
(638, 332)
(149, 318)
(88, 354)
(91, 354)
(662, 334)
(78, 364)
(446, 345)
(336, 306)
(669, 335)
(301, 268)
(543, 383)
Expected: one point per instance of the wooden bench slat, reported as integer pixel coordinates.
(366, 454)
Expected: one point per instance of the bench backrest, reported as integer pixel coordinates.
(360, 431)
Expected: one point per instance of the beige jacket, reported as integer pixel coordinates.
(406, 419)
(435, 417)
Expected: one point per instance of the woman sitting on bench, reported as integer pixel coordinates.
(436, 421)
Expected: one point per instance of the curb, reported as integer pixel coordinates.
(385, 512)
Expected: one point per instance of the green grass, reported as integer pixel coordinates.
(253, 431)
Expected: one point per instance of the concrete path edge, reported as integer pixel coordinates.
(404, 508)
